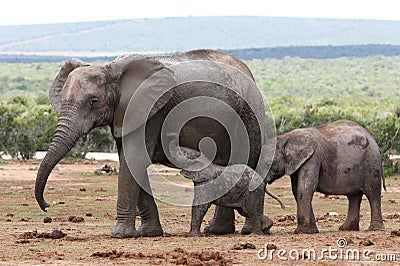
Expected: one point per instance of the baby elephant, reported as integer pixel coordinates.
(340, 158)
(224, 186)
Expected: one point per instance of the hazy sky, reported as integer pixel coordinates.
(16, 12)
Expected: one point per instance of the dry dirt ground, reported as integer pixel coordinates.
(82, 214)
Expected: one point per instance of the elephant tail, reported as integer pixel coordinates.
(383, 178)
(274, 197)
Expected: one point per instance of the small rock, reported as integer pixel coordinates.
(10, 215)
(332, 214)
(89, 214)
(56, 234)
(82, 189)
(75, 219)
(181, 260)
(28, 235)
(23, 241)
(238, 247)
(392, 201)
(106, 169)
(271, 246)
(207, 255)
(395, 233)
(244, 245)
(366, 243)
(47, 220)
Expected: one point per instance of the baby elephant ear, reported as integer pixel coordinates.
(299, 147)
(145, 85)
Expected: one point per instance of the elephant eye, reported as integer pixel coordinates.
(93, 101)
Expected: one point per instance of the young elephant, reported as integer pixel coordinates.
(340, 158)
(231, 189)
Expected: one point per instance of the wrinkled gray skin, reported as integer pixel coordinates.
(86, 97)
(236, 176)
(340, 158)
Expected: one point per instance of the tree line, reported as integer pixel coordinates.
(27, 127)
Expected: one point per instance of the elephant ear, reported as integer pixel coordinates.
(59, 81)
(145, 86)
(299, 147)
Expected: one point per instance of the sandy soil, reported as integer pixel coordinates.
(83, 213)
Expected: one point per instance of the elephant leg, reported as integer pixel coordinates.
(256, 196)
(150, 221)
(306, 186)
(260, 224)
(266, 224)
(222, 223)
(353, 214)
(198, 213)
(128, 191)
(246, 229)
(293, 181)
(256, 224)
(374, 198)
(133, 182)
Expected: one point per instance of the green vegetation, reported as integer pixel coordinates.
(309, 92)
(26, 127)
(300, 93)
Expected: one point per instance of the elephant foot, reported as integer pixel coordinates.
(306, 230)
(350, 226)
(223, 222)
(246, 231)
(220, 229)
(123, 230)
(194, 233)
(147, 230)
(376, 227)
(266, 224)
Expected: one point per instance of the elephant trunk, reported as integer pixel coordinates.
(64, 139)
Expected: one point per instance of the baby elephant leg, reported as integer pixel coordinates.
(198, 212)
(256, 222)
(266, 224)
(260, 224)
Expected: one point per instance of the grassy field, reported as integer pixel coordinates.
(75, 190)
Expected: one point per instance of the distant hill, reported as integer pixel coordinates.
(316, 52)
(179, 34)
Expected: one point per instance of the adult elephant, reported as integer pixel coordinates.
(134, 95)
